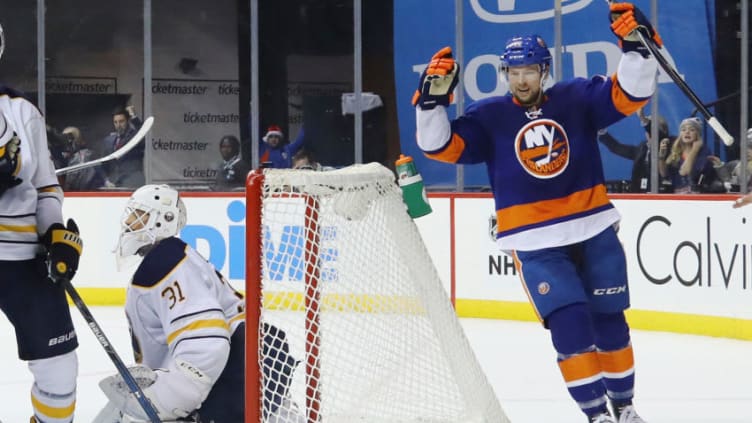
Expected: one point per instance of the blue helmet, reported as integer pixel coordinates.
(526, 50)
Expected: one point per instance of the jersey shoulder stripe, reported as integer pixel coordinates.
(160, 262)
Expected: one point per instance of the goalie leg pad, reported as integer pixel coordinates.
(109, 414)
(53, 394)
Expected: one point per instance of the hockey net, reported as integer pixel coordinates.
(347, 319)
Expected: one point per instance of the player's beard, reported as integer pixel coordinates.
(533, 98)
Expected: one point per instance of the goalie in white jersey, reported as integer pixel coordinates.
(186, 321)
(187, 325)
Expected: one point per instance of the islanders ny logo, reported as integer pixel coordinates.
(542, 148)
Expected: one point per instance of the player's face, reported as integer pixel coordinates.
(525, 83)
(136, 220)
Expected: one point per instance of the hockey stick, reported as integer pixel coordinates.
(110, 350)
(2, 41)
(648, 43)
(120, 152)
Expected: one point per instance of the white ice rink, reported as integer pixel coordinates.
(680, 378)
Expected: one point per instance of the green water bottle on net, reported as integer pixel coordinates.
(413, 190)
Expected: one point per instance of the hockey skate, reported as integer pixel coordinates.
(602, 418)
(627, 414)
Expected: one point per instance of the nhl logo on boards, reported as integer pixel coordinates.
(542, 148)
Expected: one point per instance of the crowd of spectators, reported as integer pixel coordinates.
(685, 163)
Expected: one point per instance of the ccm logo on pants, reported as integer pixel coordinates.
(610, 291)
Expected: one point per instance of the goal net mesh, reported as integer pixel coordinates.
(355, 325)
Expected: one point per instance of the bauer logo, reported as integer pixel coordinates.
(542, 148)
(510, 11)
(283, 247)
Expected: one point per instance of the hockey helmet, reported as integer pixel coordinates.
(153, 213)
(526, 50)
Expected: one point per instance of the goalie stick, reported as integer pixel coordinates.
(648, 43)
(110, 350)
(120, 152)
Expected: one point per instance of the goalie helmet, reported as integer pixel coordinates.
(153, 213)
(525, 50)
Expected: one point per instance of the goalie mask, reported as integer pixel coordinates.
(153, 213)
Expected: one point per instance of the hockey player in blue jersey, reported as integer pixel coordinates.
(541, 152)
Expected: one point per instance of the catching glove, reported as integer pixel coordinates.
(625, 19)
(63, 250)
(437, 81)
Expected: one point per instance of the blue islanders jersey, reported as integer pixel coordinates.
(543, 164)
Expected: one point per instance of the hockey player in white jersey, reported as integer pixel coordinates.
(36, 251)
(186, 321)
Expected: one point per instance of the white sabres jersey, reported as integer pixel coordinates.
(19, 233)
(177, 305)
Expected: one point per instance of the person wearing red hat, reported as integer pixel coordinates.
(276, 151)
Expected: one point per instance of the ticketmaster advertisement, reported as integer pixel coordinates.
(194, 116)
(589, 48)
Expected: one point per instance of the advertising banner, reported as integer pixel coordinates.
(193, 115)
(685, 256)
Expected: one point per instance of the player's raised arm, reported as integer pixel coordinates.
(634, 81)
(433, 96)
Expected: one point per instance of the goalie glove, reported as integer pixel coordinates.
(64, 248)
(625, 19)
(175, 393)
(438, 80)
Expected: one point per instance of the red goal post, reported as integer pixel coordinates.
(346, 317)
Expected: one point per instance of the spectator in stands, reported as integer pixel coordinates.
(277, 151)
(58, 144)
(686, 162)
(128, 171)
(304, 159)
(736, 173)
(85, 179)
(232, 170)
(639, 154)
(745, 199)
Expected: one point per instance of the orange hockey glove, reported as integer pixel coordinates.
(438, 80)
(625, 19)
